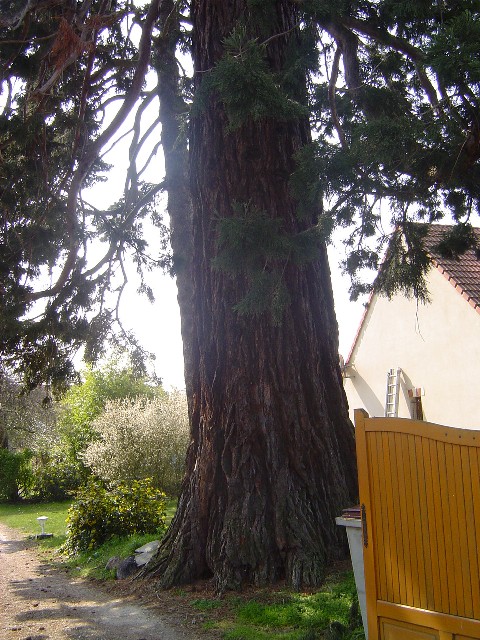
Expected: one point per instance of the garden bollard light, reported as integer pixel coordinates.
(42, 520)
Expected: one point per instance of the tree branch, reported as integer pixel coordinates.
(136, 87)
(14, 20)
(384, 37)
(94, 150)
(331, 97)
(126, 223)
(347, 41)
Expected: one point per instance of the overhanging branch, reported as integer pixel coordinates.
(94, 150)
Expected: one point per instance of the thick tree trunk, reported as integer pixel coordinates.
(272, 459)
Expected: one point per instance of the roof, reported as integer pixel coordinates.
(462, 272)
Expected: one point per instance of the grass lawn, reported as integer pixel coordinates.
(24, 517)
(92, 564)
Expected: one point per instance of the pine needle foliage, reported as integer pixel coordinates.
(256, 245)
(406, 264)
(245, 84)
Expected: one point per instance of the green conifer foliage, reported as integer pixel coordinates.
(60, 67)
(392, 94)
(257, 245)
(246, 85)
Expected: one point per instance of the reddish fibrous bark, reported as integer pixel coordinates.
(272, 459)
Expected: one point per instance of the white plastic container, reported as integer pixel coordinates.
(353, 527)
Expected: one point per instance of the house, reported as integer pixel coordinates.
(415, 360)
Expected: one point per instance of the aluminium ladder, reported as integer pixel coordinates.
(393, 391)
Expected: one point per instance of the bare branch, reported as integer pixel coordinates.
(135, 145)
(347, 41)
(126, 223)
(384, 37)
(115, 142)
(148, 160)
(137, 83)
(93, 151)
(331, 97)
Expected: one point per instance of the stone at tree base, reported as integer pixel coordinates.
(146, 552)
(150, 547)
(126, 568)
(142, 558)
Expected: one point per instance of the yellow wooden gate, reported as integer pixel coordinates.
(420, 495)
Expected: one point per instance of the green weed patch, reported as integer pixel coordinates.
(329, 614)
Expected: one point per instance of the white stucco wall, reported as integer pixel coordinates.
(437, 346)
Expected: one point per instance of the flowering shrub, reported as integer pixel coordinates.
(141, 438)
(100, 512)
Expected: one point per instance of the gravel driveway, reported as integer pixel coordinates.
(41, 602)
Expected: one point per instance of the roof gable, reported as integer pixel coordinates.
(463, 273)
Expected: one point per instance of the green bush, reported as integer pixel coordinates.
(15, 475)
(84, 402)
(100, 512)
(55, 476)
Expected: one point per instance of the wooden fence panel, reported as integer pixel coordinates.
(420, 489)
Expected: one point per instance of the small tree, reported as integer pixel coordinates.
(84, 402)
(141, 438)
(15, 476)
(57, 465)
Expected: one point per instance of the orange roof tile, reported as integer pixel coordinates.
(462, 272)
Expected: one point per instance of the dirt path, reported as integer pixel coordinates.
(41, 602)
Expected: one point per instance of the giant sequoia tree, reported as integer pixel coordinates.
(301, 115)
